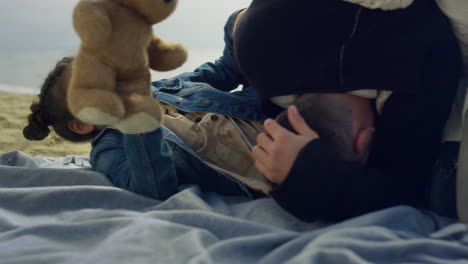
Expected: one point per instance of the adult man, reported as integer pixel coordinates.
(332, 46)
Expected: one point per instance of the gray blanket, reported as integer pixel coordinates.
(57, 210)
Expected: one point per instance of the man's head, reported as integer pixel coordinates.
(344, 120)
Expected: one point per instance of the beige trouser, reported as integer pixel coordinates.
(223, 143)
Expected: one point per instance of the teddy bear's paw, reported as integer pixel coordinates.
(95, 116)
(95, 106)
(383, 4)
(143, 114)
(173, 56)
(138, 123)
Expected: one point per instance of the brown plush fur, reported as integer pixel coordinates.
(110, 82)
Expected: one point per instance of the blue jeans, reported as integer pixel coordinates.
(443, 189)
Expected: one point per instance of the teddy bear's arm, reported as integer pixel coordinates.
(164, 56)
(92, 24)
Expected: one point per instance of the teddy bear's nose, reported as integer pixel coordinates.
(168, 1)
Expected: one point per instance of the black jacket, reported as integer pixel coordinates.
(408, 137)
(423, 78)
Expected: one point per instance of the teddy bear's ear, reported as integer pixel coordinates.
(382, 4)
(92, 23)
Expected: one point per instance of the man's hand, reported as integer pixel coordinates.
(277, 148)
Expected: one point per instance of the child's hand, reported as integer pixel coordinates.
(277, 148)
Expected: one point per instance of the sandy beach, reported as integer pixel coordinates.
(14, 109)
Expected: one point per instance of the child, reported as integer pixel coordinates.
(154, 164)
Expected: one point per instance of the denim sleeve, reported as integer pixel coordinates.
(224, 73)
(141, 163)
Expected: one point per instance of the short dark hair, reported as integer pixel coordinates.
(331, 117)
(53, 111)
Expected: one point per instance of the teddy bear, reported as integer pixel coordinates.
(110, 82)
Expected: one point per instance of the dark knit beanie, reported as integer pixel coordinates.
(296, 46)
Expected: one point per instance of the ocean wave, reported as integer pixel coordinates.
(9, 74)
(18, 89)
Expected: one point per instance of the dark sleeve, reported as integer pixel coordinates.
(320, 186)
(317, 185)
(223, 74)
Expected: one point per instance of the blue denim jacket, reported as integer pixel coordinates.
(154, 164)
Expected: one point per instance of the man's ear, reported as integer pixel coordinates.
(363, 140)
(80, 127)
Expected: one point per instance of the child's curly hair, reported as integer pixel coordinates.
(53, 111)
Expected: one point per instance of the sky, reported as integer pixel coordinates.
(46, 24)
(35, 33)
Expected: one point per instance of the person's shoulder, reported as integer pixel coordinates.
(236, 16)
(230, 24)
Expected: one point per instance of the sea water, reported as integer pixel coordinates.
(35, 34)
(24, 70)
